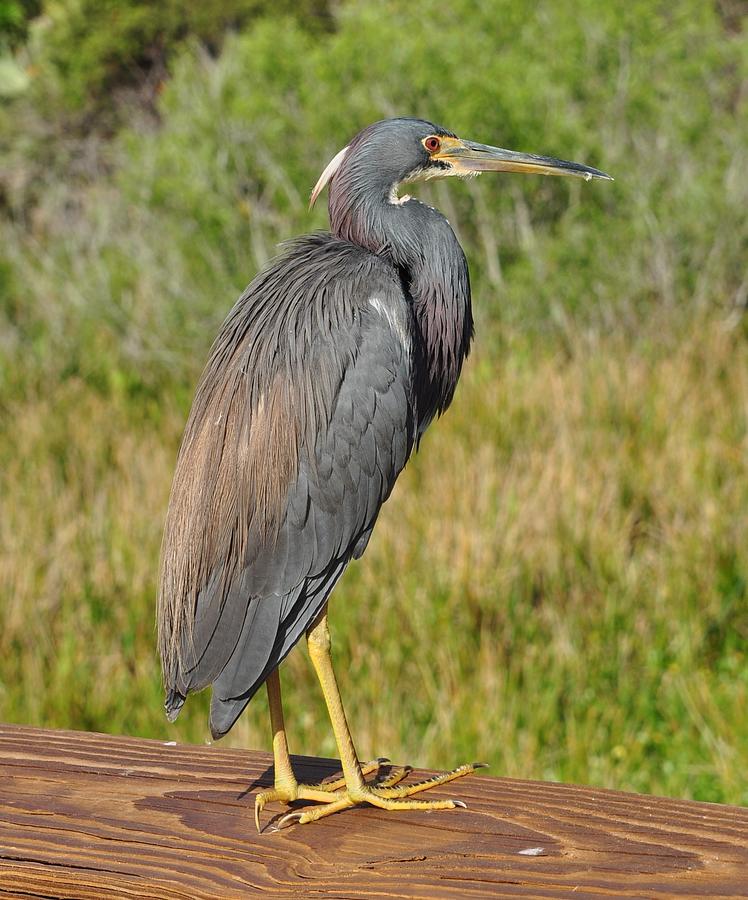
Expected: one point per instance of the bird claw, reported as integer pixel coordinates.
(367, 768)
(324, 792)
(393, 777)
(384, 792)
(292, 818)
(261, 800)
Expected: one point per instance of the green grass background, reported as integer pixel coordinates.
(559, 583)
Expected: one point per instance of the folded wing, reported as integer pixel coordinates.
(300, 426)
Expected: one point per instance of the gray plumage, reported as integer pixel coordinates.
(322, 378)
(319, 385)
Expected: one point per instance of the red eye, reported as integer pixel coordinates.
(432, 144)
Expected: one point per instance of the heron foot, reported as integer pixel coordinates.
(385, 793)
(289, 790)
(366, 769)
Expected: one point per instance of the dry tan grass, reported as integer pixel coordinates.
(555, 585)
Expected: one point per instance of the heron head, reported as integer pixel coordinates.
(398, 151)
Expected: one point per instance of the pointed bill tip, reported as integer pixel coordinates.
(596, 173)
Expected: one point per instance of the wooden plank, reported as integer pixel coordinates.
(90, 815)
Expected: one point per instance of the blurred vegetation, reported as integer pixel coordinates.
(559, 583)
(93, 47)
(14, 20)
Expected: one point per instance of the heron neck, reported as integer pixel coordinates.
(433, 271)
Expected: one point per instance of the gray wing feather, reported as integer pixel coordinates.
(341, 491)
(246, 621)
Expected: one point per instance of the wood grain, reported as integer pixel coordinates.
(90, 815)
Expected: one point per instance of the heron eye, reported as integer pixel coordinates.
(432, 144)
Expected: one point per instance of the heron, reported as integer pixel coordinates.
(318, 388)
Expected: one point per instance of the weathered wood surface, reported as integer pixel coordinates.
(89, 815)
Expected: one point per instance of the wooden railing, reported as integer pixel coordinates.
(89, 816)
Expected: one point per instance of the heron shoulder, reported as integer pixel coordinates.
(398, 318)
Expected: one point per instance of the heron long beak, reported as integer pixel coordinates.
(467, 158)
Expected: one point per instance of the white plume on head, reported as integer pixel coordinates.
(330, 169)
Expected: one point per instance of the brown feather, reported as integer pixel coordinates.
(238, 456)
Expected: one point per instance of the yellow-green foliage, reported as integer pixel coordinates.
(86, 49)
(559, 582)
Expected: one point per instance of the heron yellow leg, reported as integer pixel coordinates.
(284, 776)
(286, 788)
(384, 793)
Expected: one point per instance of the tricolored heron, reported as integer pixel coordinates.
(322, 380)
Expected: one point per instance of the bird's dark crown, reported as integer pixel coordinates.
(400, 148)
(386, 154)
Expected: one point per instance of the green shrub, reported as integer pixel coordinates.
(89, 48)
